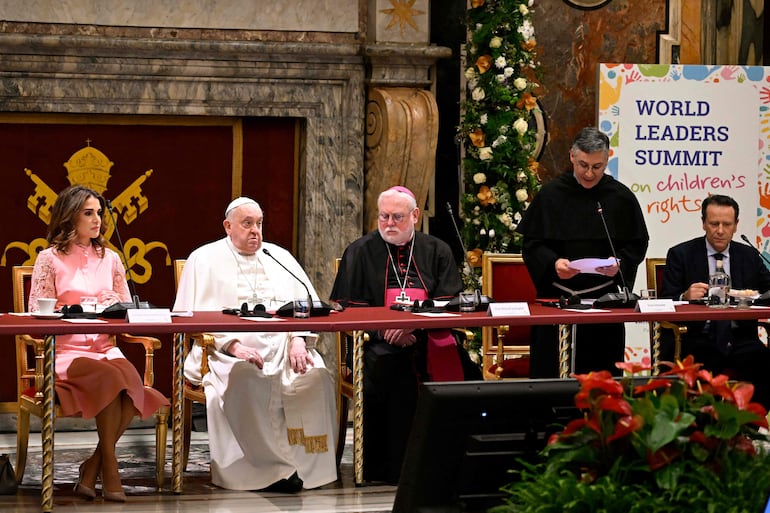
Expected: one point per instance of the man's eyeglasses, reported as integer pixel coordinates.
(397, 218)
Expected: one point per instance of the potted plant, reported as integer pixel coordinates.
(683, 441)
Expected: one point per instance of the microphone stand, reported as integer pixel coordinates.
(761, 255)
(627, 296)
(474, 278)
(307, 289)
(129, 278)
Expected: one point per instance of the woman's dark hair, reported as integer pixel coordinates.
(62, 228)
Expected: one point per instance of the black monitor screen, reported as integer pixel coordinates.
(466, 436)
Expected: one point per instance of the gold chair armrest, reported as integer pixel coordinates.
(678, 330)
(150, 344)
(206, 341)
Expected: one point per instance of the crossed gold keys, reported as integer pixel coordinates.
(129, 205)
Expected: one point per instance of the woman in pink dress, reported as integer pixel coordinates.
(93, 377)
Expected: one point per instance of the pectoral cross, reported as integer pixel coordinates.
(403, 298)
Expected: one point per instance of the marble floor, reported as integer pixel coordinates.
(199, 495)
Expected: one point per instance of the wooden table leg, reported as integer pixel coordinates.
(655, 348)
(176, 414)
(565, 350)
(358, 407)
(46, 433)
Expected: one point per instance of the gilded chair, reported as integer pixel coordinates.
(655, 268)
(192, 392)
(29, 381)
(505, 349)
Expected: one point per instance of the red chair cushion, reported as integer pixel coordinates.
(513, 368)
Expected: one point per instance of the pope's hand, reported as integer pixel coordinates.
(299, 358)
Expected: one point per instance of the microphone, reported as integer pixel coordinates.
(118, 310)
(287, 310)
(761, 255)
(624, 299)
(483, 301)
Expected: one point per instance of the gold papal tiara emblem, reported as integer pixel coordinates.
(91, 168)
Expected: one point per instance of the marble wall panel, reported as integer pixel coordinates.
(295, 15)
(321, 84)
(571, 42)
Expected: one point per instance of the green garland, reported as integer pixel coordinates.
(498, 135)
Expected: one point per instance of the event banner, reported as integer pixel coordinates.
(679, 133)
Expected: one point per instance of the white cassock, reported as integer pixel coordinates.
(264, 424)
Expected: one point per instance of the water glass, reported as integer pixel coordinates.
(648, 294)
(88, 303)
(468, 301)
(301, 308)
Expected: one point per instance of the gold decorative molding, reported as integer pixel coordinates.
(400, 148)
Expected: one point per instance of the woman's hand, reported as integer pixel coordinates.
(247, 353)
(108, 297)
(299, 358)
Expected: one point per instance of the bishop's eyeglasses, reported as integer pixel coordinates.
(397, 218)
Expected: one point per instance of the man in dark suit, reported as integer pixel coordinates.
(721, 346)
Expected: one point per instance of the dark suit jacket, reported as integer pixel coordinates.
(687, 263)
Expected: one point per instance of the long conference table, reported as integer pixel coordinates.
(352, 319)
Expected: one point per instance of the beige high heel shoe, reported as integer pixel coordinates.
(114, 496)
(81, 489)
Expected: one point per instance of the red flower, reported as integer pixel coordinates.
(633, 367)
(687, 369)
(625, 426)
(616, 404)
(601, 380)
(662, 457)
(653, 384)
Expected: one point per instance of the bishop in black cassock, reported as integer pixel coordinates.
(376, 272)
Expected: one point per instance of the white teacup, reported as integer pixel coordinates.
(46, 305)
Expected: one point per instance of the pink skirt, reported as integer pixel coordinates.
(91, 384)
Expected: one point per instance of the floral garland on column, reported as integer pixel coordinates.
(500, 172)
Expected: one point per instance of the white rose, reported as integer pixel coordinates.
(485, 153)
(491, 233)
(500, 140)
(500, 62)
(517, 216)
(496, 42)
(479, 178)
(521, 195)
(482, 232)
(478, 94)
(508, 72)
(477, 222)
(470, 73)
(521, 126)
(520, 83)
(476, 209)
(483, 119)
(505, 219)
(500, 78)
(504, 129)
(523, 10)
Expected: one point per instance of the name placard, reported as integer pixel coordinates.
(507, 309)
(655, 305)
(148, 315)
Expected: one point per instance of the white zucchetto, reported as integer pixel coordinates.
(237, 202)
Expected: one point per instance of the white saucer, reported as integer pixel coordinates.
(47, 316)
